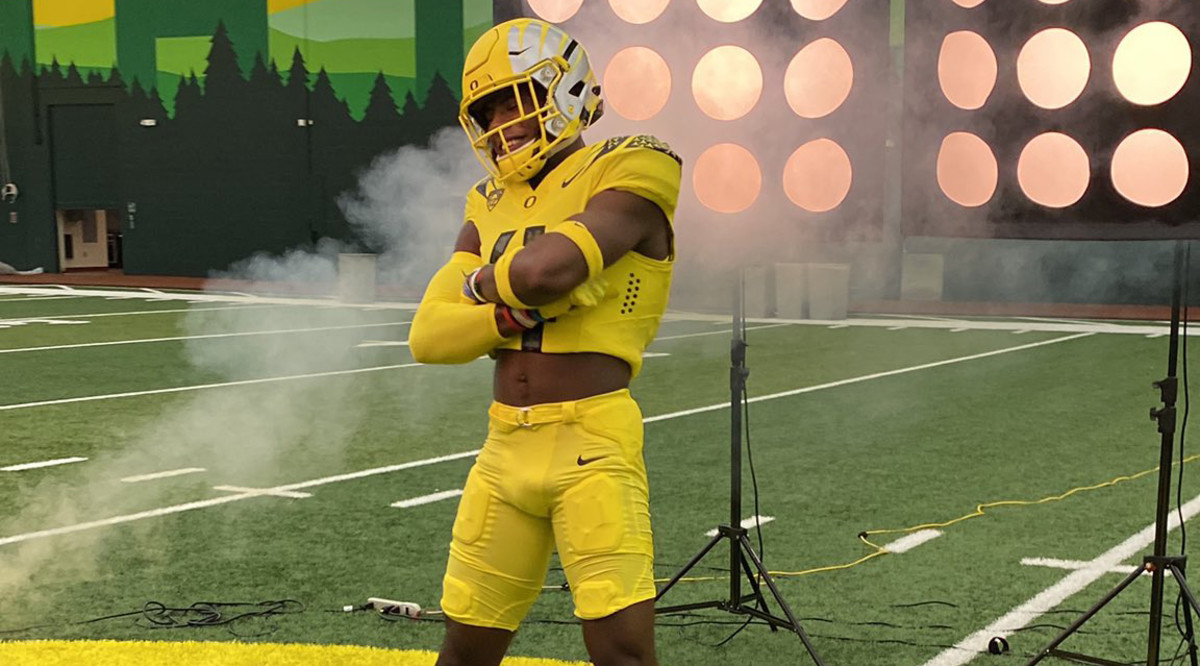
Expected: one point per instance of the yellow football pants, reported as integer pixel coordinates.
(568, 475)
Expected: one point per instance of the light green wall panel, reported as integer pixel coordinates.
(86, 45)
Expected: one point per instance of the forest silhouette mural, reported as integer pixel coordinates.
(242, 158)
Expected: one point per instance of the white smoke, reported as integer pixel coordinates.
(408, 205)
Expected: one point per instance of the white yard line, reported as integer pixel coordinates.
(200, 387)
(162, 475)
(1072, 565)
(1051, 326)
(203, 504)
(381, 343)
(747, 524)
(271, 492)
(44, 463)
(430, 461)
(25, 322)
(203, 337)
(1057, 320)
(1002, 326)
(37, 298)
(907, 543)
(131, 313)
(199, 297)
(878, 375)
(697, 335)
(975, 644)
(923, 317)
(426, 499)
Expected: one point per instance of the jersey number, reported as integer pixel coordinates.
(531, 340)
(506, 238)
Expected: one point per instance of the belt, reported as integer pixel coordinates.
(550, 412)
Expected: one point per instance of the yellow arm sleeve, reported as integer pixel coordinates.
(449, 328)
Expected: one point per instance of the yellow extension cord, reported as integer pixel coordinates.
(980, 510)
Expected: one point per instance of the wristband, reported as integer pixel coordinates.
(583, 239)
(471, 287)
(510, 317)
(526, 318)
(504, 285)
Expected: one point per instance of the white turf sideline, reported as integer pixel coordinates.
(898, 322)
(1017, 325)
(1023, 615)
(195, 297)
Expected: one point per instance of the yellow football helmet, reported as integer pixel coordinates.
(540, 58)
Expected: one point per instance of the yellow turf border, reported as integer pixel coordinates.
(193, 653)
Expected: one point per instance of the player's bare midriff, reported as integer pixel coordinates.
(525, 378)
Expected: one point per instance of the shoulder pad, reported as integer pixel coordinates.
(635, 142)
(652, 143)
(484, 187)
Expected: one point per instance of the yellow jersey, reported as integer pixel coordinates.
(511, 215)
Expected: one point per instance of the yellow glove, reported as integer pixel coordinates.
(584, 297)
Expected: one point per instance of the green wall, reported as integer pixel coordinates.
(236, 130)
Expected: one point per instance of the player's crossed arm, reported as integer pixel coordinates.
(552, 265)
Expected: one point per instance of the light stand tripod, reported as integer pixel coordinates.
(741, 553)
(1158, 563)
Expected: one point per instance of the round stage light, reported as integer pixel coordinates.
(1054, 2)
(1053, 68)
(817, 10)
(967, 69)
(1150, 168)
(728, 11)
(1152, 63)
(818, 79)
(968, 3)
(727, 82)
(637, 83)
(818, 175)
(727, 178)
(967, 171)
(555, 11)
(1053, 170)
(638, 11)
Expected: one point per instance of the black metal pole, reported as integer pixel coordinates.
(1166, 427)
(737, 386)
(741, 555)
(1158, 563)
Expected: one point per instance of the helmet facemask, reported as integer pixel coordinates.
(533, 102)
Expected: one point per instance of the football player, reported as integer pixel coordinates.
(561, 273)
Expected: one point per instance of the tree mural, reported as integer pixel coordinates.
(251, 159)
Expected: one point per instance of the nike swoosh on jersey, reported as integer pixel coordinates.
(609, 146)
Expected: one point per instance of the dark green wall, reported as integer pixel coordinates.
(238, 170)
(16, 29)
(30, 240)
(140, 22)
(440, 47)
